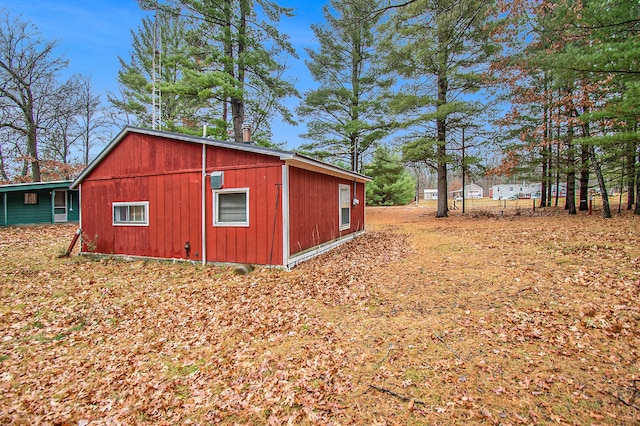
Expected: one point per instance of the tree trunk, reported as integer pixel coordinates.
(545, 162)
(584, 177)
(229, 69)
(631, 168)
(606, 211)
(441, 150)
(442, 184)
(3, 170)
(86, 142)
(557, 163)
(32, 150)
(637, 209)
(353, 141)
(570, 200)
(237, 101)
(584, 165)
(549, 169)
(543, 185)
(441, 155)
(356, 61)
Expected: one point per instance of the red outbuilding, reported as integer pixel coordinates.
(156, 194)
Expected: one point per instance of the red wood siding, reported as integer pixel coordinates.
(254, 244)
(140, 155)
(143, 168)
(314, 216)
(167, 173)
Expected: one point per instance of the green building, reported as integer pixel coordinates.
(38, 203)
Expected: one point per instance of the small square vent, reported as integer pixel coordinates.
(217, 180)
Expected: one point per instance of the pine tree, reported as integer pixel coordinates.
(179, 54)
(347, 113)
(392, 184)
(439, 47)
(220, 68)
(245, 50)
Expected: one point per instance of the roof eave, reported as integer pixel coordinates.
(100, 156)
(314, 165)
(35, 185)
(286, 156)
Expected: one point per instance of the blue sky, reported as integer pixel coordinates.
(93, 33)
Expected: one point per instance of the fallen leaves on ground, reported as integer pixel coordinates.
(515, 321)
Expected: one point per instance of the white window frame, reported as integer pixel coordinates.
(216, 203)
(144, 222)
(344, 188)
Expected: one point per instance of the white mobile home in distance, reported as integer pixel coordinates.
(471, 191)
(430, 194)
(508, 191)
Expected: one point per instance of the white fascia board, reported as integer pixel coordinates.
(316, 166)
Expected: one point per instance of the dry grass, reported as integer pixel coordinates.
(499, 319)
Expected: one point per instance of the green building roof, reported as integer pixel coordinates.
(33, 186)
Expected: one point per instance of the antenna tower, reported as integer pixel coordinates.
(156, 75)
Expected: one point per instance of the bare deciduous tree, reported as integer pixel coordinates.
(29, 87)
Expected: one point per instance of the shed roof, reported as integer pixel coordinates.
(288, 157)
(32, 186)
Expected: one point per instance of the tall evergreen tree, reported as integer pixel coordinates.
(605, 46)
(439, 47)
(178, 54)
(583, 50)
(246, 50)
(347, 113)
(392, 184)
(221, 67)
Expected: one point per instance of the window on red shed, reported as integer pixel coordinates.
(131, 214)
(345, 206)
(231, 207)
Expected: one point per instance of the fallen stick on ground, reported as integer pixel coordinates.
(392, 393)
(386, 355)
(447, 346)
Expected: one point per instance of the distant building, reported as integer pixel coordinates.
(514, 191)
(508, 191)
(471, 192)
(38, 203)
(430, 194)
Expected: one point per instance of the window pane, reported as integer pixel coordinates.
(232, 207)
(345, 206)
(136, 213)
(60, 199)
(344, 197)
(120, 213)
(344, 213)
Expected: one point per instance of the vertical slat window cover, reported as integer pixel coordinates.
(232, 208)
(345, 207)
(31, 198)
(131, 213)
